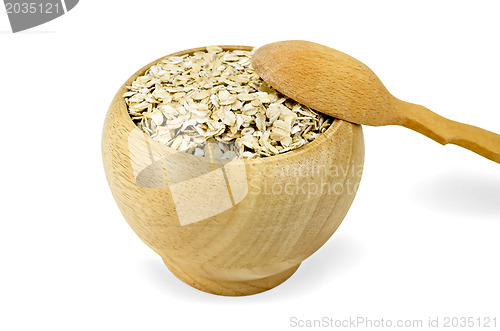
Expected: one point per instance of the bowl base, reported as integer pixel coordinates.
(231, 288)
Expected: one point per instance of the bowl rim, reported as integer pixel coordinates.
(122, 107)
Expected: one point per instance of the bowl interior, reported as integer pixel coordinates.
(321, 139)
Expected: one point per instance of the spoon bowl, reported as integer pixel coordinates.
(326, 80)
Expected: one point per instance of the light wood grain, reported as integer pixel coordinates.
(259, 241)
(337, 84)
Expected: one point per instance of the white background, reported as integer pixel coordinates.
(420, 240)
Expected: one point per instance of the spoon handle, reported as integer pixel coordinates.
(445, 131)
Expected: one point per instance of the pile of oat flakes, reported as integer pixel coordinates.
(213, 103)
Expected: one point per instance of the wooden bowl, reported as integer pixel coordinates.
(230, 228)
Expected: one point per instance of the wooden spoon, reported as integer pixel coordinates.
(337, 84)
